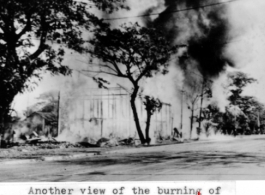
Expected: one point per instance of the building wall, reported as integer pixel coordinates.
(102, 113)
(36, 122)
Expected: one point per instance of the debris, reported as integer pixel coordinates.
(177, 139)
(89, 141)
(137, 142)
(112, 143)
(105, 142)
(35, 134)
(54, 139)
(87, 145)
(129, 141)
(33, 140)
(102, 142)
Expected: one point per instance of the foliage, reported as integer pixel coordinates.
(48, 102)
(239, 80)
(28, 29)
(244, 114)
(238, 111)
(132, 52)
(101, 82)
(152, 104)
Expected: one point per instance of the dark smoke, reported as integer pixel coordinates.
(205, 47)
(208, 50)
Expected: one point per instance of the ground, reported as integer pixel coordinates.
(233, 159)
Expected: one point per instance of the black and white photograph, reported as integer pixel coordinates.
(132, 90)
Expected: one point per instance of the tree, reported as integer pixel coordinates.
(193, 97)
(196, 91)
(254, 110)
(151, 105)
(27, 31)
(239, 80)
(214, 118)
(243, 112)
(238, 109)
(132, 52)
(48, 102)
(235, 114)
(206, 92)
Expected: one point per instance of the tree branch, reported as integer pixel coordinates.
(26, 28)
(143, 72)
(104, 72)
(117, 68)
(42, 46)
(109, 68)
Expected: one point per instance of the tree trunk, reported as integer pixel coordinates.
(181, 109)
(200, 115)
(135, 114)
(191, 120)
(235, 129)
(5, 107)
(258, 122)
(8, 92)
(58, 116)
(148, 120)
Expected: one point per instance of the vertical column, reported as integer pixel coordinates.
(83, 117)
(58, 115)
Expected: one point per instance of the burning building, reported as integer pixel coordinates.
(106, 112)
(44, 123)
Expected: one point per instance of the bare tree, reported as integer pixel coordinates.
(206, 92)
(193, 96)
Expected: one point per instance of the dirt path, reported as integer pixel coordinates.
(241, 159)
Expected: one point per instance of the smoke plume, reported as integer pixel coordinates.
(207, 34)
(246, 21)
(205, 31)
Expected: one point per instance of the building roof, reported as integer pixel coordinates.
(49, 116)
